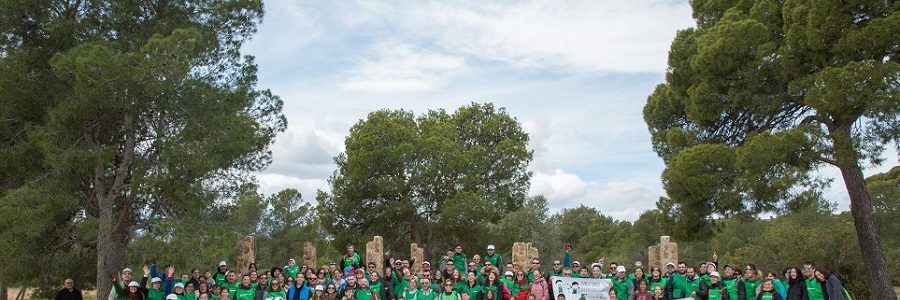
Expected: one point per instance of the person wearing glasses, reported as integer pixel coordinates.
(69, 292)
(331, 292)
(535, 266)
(449, 293)
(557, 268)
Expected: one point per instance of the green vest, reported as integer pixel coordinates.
(472, 290)
(814, 289)
(731, 287)
(220, 279)
(244, 294)
(716, 294)
(621, 287)
(679, 282)
(750, 287)
(232, 288)
(190, 296)
(692, 286)
(494, 259)
(375, 287)
(430, 295)
(276, 295)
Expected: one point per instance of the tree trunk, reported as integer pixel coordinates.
(110, 250)
(861, 208)
(3, 291)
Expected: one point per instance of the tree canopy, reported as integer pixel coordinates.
(759, 94)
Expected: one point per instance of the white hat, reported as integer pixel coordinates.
(426, 263)
(620, 269)
(155, 279)
(223, 263)
(714, 273)
(292, 260)
(508, 273)
(172, 297)
(179, 285)
(670, 264)
(126, 270)
(134, 284)
(490, 247)
(576, 262)
(638, 264)
(320, 287)
(594, 265)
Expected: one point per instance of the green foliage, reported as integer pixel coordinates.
(415, 179)
(885, 190)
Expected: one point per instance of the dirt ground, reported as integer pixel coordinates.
(12, 293)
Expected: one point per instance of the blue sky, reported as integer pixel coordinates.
(576, 74)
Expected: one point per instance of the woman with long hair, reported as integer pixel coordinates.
(796, 285)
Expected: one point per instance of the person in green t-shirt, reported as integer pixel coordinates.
(492, 256)
(622, 286)
(448, 293)
(365, 291)
(814, 288)
(275, 291)
(411, 291)
(656, 280)
(245, 291)
(734, 286)
(155, 292)
(459, 257)
(426, 292)
(351, 259)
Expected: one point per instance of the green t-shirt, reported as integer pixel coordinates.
(232, 288)
(452, 296)
(276, 295)
(472, 290)
(662, 282)
(814, 289)
(768, 296)
(245, 294)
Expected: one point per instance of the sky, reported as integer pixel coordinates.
(576, 74)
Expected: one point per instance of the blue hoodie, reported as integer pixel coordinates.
(304, 292)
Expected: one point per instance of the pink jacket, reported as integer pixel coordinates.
(540, 289)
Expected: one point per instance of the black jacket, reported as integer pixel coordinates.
(65, 294)
(797, 290)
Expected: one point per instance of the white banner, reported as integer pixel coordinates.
(580, 288)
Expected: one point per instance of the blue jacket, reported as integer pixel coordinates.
(303, 294)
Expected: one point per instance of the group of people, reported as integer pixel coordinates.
(460, 277)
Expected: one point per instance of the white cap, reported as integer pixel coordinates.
(426, 263)
(172, 297)
(134, 284)
(490, 247)
(320, 287)
(714, 273)
(638, 264)
(223, 263)
(576, 262)
(155, 279)
(126, 270)
(508, 273)
(179, 285)
(670, 264)
(292, 260)
(595, 265)
(620, 269)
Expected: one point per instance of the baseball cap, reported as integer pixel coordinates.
(508, 273)
(126, 270)
(426, 263)
(714, 273)
(320, 288)
(292, 260)
(620, 269)
(172, 297)
(134, 284)
(155, 279)
(223, 263)
(490, 247)
(670, 264)
(576, 263)
(179, 285)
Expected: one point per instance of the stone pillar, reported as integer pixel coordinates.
(664, 253)
(309, 255)
(417, 255)
(246, 254)
(375, 253)
(522, 253)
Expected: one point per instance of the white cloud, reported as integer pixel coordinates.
(623, 200)
(273, 183)
(584, 36)
(392, 67)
